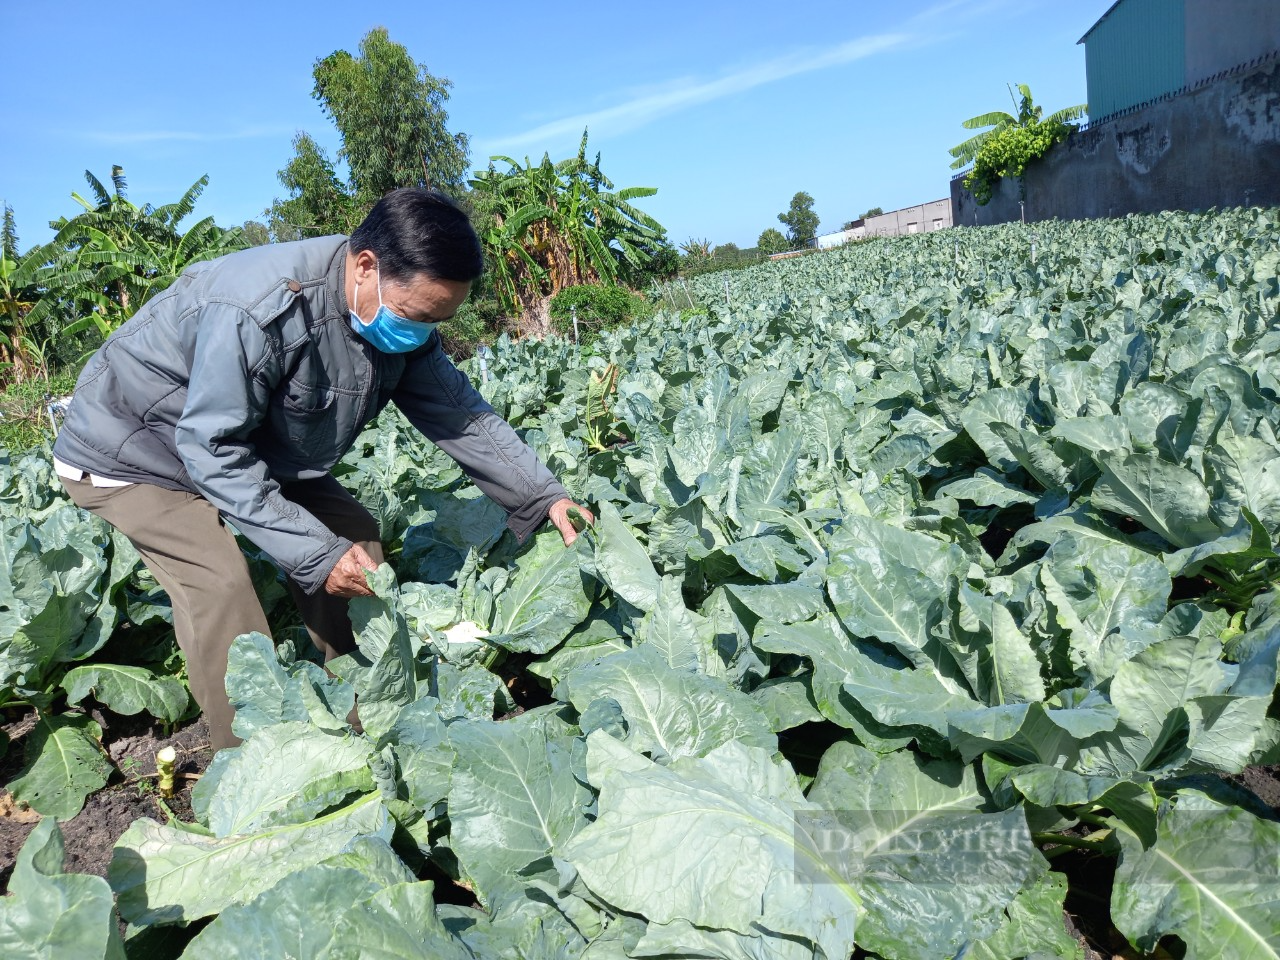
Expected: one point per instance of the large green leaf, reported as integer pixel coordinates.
(51, 915)
(547, 597)
(297, 917)
(397, 923)
(1107, 598)
(1033, 926)
(514, 798)
(905, 829)
(286, 773)
(714, 841)
(165, 874)
(264, 691)
(1164, 497)
(669, 713)
(1246, 472)
(623, 562)
(1208, 879)
(862, 689)
(683, 637)
(891, 584)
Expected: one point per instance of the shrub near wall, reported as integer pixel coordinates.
(597, 307)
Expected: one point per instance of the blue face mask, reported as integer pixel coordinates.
(388, 331)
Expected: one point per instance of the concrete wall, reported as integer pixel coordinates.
(1215, 146)
(1223, 33)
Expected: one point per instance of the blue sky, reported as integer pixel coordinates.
(727, 108)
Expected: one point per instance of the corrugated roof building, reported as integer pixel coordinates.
(1141, 50)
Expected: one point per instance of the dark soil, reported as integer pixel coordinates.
(131, 743)
(1264, 782)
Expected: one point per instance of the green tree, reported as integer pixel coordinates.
(1027, 115)
(18, 294)
(9, 234)
(873, 212)
(801, 221)
(772, 241)
(546, 226)
(255, 234)
(390, 115)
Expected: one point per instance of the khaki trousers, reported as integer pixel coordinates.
(195, 557)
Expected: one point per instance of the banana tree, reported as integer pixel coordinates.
(106, 261)
(1028, 113)
(559, 224)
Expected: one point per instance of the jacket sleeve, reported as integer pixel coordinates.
(232, 376)
(440, 401)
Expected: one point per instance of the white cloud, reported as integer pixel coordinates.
(645, 108)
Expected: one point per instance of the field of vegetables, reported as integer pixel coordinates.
(931, 612)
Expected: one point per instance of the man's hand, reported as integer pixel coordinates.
(346, 579)
(559, 514)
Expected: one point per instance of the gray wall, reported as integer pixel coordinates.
(1223, 33)
(1216, 146)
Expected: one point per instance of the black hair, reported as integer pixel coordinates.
(415, 232)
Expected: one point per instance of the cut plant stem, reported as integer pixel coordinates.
(166, 758)
(1093, 841)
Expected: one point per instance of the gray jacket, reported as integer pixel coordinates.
(246, 372)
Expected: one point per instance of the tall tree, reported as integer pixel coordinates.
(9, 234)
(772, 241)
(801, 221)
(18, 293)
(1028, 115)
(390, 115)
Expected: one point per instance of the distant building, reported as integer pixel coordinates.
(1184, 114)
(934, 215)
(1141, 50)
(922, 218)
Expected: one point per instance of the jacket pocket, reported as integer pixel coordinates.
(308, 418)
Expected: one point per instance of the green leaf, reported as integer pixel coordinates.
(128, 690)
(1203, 881)
(787, 702)
(51, 915)
(712, 841)
(265, 692)
(669, 713)
(986, 488)
(420, 742)
(1246, 473)
(1109, 598)
(295, 918)
(165, 874)
(287, 773)
(683, 637)
(905, 829)
(398, 923)
(1033, 926)
(545, 599)
(622, 562)
(891, 584)
(64, 764)
(1165, 498)
(1008, 405)
(861, 689)
(514, 798)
